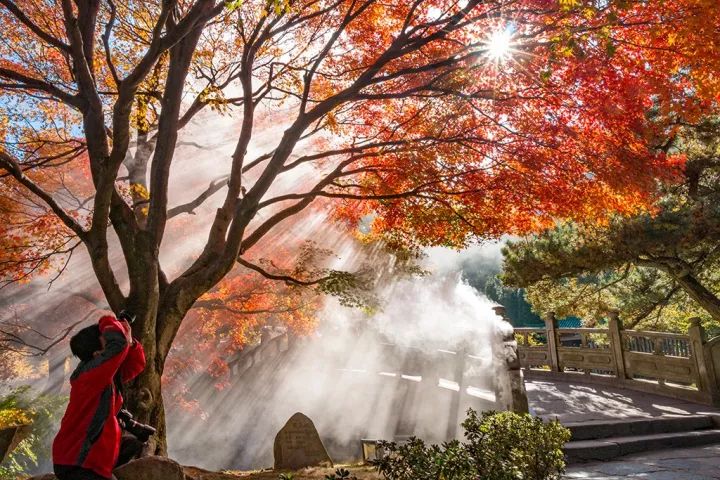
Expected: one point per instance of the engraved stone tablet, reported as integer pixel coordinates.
(298, 445)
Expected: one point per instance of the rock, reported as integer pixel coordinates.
(298, 445)
(47, 476)
(10, 437)
(150, 468)
(6, 439)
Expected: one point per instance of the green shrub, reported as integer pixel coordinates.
(44, 413)
(500, 446)
(507, 446)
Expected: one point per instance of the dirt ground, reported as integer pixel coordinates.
(362, 472)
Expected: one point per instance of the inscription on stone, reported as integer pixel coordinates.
(298, 445)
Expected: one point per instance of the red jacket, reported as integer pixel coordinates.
(89, 434)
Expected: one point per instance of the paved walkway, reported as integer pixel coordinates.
(573, 401)
(697, 463)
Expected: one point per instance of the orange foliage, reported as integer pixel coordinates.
(570, 125)
(232, 316)
(423, 134)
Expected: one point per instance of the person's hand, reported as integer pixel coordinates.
(128, 331)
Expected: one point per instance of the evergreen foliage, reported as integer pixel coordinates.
(657, 267)
(482, 274)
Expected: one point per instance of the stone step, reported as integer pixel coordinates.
(612, 447)
(639, 426)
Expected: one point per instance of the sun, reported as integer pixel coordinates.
(498, 46)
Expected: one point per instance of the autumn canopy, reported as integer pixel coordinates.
(432, 121)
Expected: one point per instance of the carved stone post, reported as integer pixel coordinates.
(519, 400)
(706, 380)
(510, 388)
(501, 312)
(552, 341)
(616, 343)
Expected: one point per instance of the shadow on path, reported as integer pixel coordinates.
(697, 463)
(574, 401)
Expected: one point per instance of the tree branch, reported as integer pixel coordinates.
(20, 15)
(106, 42)
(283, 278)
(189, 207)
(31, 83)
(12, 166)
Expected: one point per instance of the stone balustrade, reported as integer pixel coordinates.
(683, 366)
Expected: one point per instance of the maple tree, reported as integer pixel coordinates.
(414, 121)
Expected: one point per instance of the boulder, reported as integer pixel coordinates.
(10, 437)
(298, 445)
(150, 468)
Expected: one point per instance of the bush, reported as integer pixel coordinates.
(43, 412)
(500, 446)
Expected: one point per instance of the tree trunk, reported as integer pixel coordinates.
(698, 292)
(144, 400)
(144, 394)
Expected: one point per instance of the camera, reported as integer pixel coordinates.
(128, 423)
(126, 315)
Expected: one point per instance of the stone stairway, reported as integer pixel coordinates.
(608, 439)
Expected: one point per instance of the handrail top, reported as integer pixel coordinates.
(649, 333)
(561, 330)
(583, 330)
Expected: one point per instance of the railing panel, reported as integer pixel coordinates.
(586, 359)
(530, 336)
(538, 356)
(660, 367)
(658, 343)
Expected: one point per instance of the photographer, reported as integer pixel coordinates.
(88, 443)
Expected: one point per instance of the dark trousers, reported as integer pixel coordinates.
(73, 472)
(130, 447)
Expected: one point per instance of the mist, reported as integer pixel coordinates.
(410, 365)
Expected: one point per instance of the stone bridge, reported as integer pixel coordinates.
(619, 391)
(378, 389)
(623, 391)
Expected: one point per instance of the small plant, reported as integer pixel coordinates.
(286, 476)
(500, 446)
(340, 474)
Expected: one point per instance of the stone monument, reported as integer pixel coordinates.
(298, 445)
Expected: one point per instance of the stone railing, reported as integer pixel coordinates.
(675, 365)
(460, 368)
(459, 378)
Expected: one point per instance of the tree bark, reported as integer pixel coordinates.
(144, 400)
(144, 394)
(698, 292)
